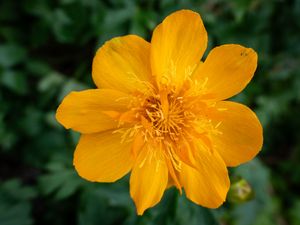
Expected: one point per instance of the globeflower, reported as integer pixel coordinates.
(160, 112)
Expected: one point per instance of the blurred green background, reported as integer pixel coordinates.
(46, 50)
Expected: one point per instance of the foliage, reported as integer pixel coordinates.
(46, 50)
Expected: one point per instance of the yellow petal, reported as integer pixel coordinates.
(186, 151)
(173, 175)
(240, 136)
(138, 143)
(209, 183)
(227, 70)
(149, 178)
(177, 46)
(123, 64)
(102, 157)
(88, 111)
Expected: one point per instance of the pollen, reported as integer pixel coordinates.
(166, 115)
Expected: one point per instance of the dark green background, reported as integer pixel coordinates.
(46, 50)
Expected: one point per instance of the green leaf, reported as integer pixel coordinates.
(62, 181)
(32, 118)
(38, 68)
(14, 191)
(16, 81)
(111, 202)
(11, 54)
(51, 81)
(15, 208)
(294, 214)
(175, 209)
(195, 214)
(7, 136)
(18, 214)
(60, 23)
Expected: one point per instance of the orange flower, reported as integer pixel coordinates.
(160, 113)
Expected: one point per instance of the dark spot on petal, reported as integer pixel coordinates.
(244, 53)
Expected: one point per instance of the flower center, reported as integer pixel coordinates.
(165, 112)
(166, 115)
(169, 121)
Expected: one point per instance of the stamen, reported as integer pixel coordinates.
(143, 162)
(218, 124)
(173, 157)
(168, 118)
